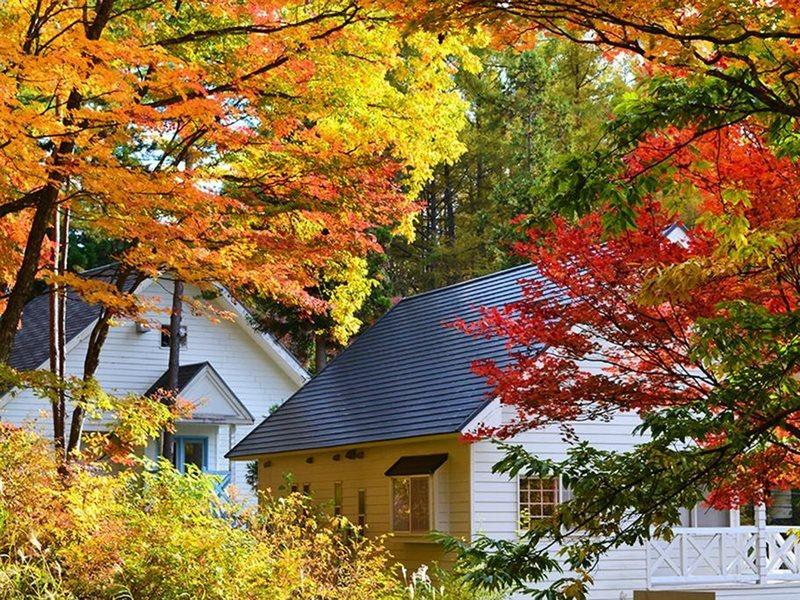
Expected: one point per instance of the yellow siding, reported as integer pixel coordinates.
(450, 489)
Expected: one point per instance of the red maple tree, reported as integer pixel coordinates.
(695, 333)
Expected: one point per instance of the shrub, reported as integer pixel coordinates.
(155, 533)
(151, 532)
(438, 584)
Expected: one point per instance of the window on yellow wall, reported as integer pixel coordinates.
(307, 489)
(337, 498)
(362, 507)
(411, 504)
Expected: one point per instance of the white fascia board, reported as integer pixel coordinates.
(285, 360)
(490, 416)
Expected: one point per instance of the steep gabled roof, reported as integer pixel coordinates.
(409, 375)
(186, 373)
(189, 374)
(31, 350)
(31, 343)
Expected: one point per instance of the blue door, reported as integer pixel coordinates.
(191, 451)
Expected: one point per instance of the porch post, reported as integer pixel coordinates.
(761, 543)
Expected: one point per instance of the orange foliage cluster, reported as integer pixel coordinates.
(244, 143)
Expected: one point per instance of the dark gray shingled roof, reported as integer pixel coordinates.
(31, 343)
(408, 375)
(185, 375)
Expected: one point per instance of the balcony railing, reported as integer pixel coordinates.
(704, 555)
(224, 481)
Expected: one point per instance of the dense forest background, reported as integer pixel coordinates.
(531, 114)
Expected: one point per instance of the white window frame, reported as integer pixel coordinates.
(431, 495)
(558, 501)
(183, 334)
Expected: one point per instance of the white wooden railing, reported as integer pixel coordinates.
(698, 555)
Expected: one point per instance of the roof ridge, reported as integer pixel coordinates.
(195, 364)
(99, 268)
(468, 281)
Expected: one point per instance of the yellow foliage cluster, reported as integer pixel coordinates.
(351, 286)
(248, 144)
(152, 532)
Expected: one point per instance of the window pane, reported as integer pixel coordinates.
(538, 498)
(337, 498)
(362, 507)
(401, 507)
(193, 454)
(420, 505)
(784, 508)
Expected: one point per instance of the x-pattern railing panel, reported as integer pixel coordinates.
(745, 550)
(782, 552)
(724, 554)
(664, 558)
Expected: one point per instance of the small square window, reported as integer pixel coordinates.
(538, 498)
(165, 336)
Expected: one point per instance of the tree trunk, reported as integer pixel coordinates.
(45, 200)
(61, 300)
(56, 323)
(174, 361)
(320, 351)
(26, 274)
(449, 207)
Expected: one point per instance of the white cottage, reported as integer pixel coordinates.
(376, 435)
(233, 373)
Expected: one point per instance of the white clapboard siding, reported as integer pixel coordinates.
(131, 361)
(495, 497)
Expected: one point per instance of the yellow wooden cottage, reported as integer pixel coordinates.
(377, 437)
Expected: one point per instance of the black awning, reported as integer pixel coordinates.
(424, 464)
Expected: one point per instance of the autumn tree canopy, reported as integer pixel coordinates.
(207, 135)
(250, 144)
(705, 351)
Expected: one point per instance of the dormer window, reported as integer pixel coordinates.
(165, 336)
